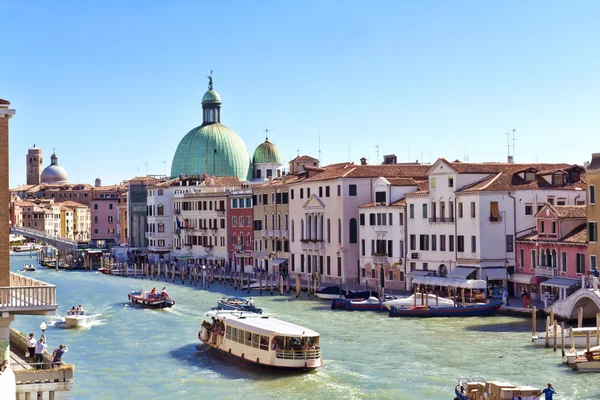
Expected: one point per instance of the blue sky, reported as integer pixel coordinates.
(114, 86)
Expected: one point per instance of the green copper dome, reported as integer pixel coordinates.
(266, 153)
(211, 97)
(214, 150)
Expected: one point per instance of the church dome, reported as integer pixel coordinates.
(54, 173)
(211, 148)
(266, 153)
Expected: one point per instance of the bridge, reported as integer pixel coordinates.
(589, 299)
(56, 241)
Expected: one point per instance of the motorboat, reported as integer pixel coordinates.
(579, 336)
(421, 299)
(262, 340)
(28, 267)
(330, 293)
(145, 298)
(471, 310)
(74, 319)
(237, 303)
(30, 246)
(362, 295)
(478, 388)
(370, 304)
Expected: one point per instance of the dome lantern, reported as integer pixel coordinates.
(211, 104)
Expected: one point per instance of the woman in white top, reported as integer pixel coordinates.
(31, 346)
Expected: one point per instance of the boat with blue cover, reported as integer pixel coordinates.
(370, 304)
(474, 310)
(237, 304)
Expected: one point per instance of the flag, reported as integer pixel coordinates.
(178, 222)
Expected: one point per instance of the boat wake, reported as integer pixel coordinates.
(91, 321)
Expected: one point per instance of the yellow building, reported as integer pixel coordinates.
(66, 222)
(82, 221)
(593, 208)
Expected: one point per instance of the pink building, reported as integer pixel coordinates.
(551, 259)
(105, 215)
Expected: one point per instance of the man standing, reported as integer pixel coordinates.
(549, 393)
(40, 346)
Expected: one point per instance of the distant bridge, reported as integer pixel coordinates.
(589, 299)
(56, 241)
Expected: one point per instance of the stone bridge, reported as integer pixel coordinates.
(56, 241)
(589, 299)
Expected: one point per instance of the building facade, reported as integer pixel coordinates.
(593, 209)
(239, 228)
(137, 210)
(105, 215)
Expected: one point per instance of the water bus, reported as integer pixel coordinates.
(30, 246)
(261, 339)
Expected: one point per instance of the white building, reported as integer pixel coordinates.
(324, 217)
(466, 223)
(382, 233)
(161, 228)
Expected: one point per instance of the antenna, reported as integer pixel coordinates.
(298, 152)
(508, 143)
(421, 156)
(513, 140)
(409, 159)
(146, 169)
(319, 144)
(377, 147)
(266, 131)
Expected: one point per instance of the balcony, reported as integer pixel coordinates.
(263, 232)
(312, 245)
(495, 219)
(220, 213)
(379, 258)
(414, 256)
(441, 219)
(284, 233)
(28, 296)
(545, 271)
(207, 247)
(270, 233)
(276, 233)
(177, 212)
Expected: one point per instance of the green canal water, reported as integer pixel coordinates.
(137, 353)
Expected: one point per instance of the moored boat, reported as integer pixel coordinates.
(369, 304)
(28, 267)
(262, 340)
(473, 310)
(579, 336)
(30, 246)
(104, 270)
(478, 388)
(237, 303)
(75, 319)
(420, 300)
(330, 293)
(146, 298)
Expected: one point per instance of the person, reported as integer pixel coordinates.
(57, 355)
(549, 393)
(3, 366)
(163, 293)
(73, 309)
(525, 296)
(40, 346)
(251, 302)
(505, 297)
(153, 292)
(31, 346)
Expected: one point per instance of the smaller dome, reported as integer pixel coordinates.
(211, 97)
(266, 153)
(54, 173)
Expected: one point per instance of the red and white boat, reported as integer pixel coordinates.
(145, 298)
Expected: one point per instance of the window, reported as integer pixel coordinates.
(542, 226)
(561, 202)
(411, 211)
(352, 190)
(110, 206)
(494, 212)
(432, 184)
(528, 209)
(353, 231)
(373, 273)
(564, 262)
(328, 265)
(380, 197)
(390, 221)
(328, 230)
(521, 258)
(424, 210)
(533, 259)
(401, 249)
(292, 194)
(234, 221)
(461, 243)
(580, 263)
(450, 182)
(372, 219)
(433, 242)
(339, 266)
(473, 244)
(472, 209)
(326, 191)
(460, 210)
(362, 219)
(301, 193)
(550, 200)
(161, 227)
(413, 242)
(423, 242)
(554, 227)
(96, 219)
(401, 218)
(339, 190)
(95, 206)
(592, 232)
(592, 262)
(442, 242)
(509, 244)
(339, 230)
(558, 179)
(234, 203)
(592, 194)
(320, 191)
(362, 247)
(95, 230)
(307, 192)
(450, 242)
(390, 248)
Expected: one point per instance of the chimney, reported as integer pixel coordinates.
(270, 179)
(282, 178)
(510, 160)
(595, 163)
(363, 161)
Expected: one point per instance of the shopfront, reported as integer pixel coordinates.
(497, 280)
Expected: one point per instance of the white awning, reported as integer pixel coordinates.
(561, 282)
(242, 255)
(521, 278)
(260, 255)
(495, 273)
(215, 258)
(461, 272)
(419, 272)
(279, 261)
(453, 282)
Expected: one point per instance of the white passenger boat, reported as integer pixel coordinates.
(30, 246)
(261, 339)
(74, 319)
(579, 337)
(421, 299)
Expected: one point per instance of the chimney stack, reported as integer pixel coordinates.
(363, 161)
(98, 182)
(595, 163)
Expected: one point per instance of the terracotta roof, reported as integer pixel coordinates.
(350, 170)
(577, 235)
(304, 158)
(402, 181)
(72, 204)
(288, 180)
(2, 101)
(569, 211)
(399, 203)
(529, 237)
(112, 187)
(368, 205)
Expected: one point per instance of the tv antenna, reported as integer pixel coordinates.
(507, 143)
(377, 147)
(513, 140)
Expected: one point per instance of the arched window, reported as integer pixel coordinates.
(328, 230)
(96, 219)
(286, 222)
(241, 238)
(308, 226)
(292, 233)
(160, 210)
(248, 221)
(233, 221)
(542, 257)
(301, 229)
(339, 230)
(553, 258)
(234, 239)
(548, 258)
(272, 221)
(248, 240)
(266, 219)
(353, 231)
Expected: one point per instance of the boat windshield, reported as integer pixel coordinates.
(292, 347)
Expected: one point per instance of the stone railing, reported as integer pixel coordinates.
(312, 245)
(284, 233)
(545, 271)
(27, 296)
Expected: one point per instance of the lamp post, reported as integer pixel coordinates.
(43, 327)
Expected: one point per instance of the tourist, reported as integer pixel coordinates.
(80, 309)
(525, 296)
(153, 293)
(57, 355)
(549, 393)
(251, 303)
(505, 297)
(163, 292)
(31, 347)
(40, 346)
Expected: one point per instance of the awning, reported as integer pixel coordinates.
(461, 272)
(184, 257)
(495, 273)
(419, 272)
(525, 279)
(453, 282)
(260, 255)
(215, 258)
(561, 282)
(279, 261)
(242, 255)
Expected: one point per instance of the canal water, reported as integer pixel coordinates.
(138, 353)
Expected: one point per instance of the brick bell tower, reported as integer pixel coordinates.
(34, 165)
(5, 114)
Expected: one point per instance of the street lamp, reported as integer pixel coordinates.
(43, 327)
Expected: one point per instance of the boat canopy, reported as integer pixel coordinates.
(453, 282)
(262, 324)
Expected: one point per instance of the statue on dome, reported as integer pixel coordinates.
(210, 81)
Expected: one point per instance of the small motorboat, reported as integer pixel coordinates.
(370, 304)
(430, 299)
(330, 293)
(28, 267)
(237, 303)
(74, 319)
(473, 310)
(146, 298)
(365, 294)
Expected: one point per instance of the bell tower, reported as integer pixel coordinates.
(34, 165)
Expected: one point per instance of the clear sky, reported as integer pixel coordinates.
(114, 85)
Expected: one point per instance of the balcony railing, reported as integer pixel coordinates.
(312, 245)
(298, 354)
(263, 232)
(379, 258)
(276, 233)
(441, 219)
(545, 271)
(495, 219)
(270, 233)
(220, 213)
(176, 212)
(28, 296)
(284, 233)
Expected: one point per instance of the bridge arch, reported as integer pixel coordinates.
(589, 300)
